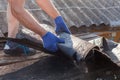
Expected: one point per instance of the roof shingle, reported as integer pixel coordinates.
(78, 12)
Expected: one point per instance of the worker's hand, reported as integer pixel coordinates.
(61, 26)
(50, 42)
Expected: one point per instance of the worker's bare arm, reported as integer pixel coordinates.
(48, 7)
(50, 41)
(13, 23)
(18, 10)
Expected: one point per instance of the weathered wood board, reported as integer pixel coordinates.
(7, 59)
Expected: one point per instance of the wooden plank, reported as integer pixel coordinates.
(7, 59)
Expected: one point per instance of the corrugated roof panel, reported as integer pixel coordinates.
(79, 3)
(115, 13)
(31, 5)
(102, 2)
(77, 12)
(79, 21)
(101, 16)
(72, 17)
(91, 15)
(117, 2)
(59, 3)
(2, 4)
(86, 21)
(96, 3)
(108, 3)
(67, 19)
(69, 3)
(118, 9)
(108, 14)
(88, 4)
(42, 17)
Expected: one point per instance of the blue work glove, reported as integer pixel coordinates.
(61, 26)
(50, 42)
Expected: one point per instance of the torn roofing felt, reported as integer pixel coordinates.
(88, 47)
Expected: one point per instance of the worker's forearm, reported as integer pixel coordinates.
(13, 24)
(48, 7)
(29, 21)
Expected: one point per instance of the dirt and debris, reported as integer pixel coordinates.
(61, 68)
(55, 68)
(14, 67)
